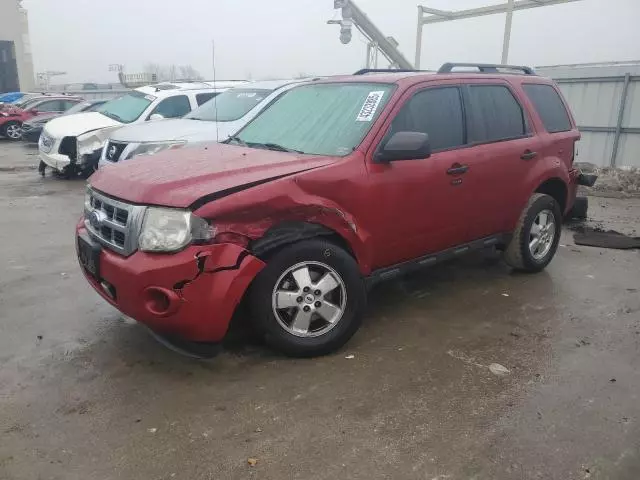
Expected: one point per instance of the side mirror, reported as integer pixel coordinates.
(156, 116)
(33, 111)
(404, 146)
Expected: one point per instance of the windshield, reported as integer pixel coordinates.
(322, 119)
(127, 108)
(26, 101)
(78, 107)
(230, 105)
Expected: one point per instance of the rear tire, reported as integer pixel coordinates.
(536, 237)
(310, 298)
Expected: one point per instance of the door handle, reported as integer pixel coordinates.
(457, 169)
(528, 155)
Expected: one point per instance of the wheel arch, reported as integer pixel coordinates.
(556, 188)
(293, 231)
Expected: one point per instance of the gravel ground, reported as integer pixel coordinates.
(87, 395)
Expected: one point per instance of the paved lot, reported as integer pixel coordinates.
(85, 395)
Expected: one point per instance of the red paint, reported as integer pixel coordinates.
(386, 213)
(201, 310)
(15, 114)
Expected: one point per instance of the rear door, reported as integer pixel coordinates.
(501, 136)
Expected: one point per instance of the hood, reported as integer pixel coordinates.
(42, 118)
(79, 123)
(172, 129)
(180, 177)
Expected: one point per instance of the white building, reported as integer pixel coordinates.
(16, 61)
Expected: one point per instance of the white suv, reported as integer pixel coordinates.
(72, 144)
(214, 121)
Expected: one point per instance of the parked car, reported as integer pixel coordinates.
(213, 121)
(22, 101)
(11, 119)
(339, 184)
(73, 144)
(31, 129)
(10, 97)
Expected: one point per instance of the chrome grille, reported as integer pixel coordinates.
(115, 224)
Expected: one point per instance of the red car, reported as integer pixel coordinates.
(342, 182)
(11, 118)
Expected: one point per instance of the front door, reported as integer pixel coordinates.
(422, 206)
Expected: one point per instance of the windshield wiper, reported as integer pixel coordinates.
(113, 116)
(275, 147)
(237, 140)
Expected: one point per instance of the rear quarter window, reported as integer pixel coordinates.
(549, 106)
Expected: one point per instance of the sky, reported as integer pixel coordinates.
(258, 39)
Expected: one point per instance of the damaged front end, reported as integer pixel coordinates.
(84, 152)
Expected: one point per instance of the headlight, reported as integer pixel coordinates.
(153, 148)
(89, 144)
(169, 230)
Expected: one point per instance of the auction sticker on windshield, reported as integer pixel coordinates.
(368, 110)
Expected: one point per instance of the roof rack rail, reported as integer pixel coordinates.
(386, 70)
(486, 68)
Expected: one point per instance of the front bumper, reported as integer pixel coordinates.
(191, 294)
(55, 160)
(31, 134)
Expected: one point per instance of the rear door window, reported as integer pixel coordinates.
(50, 106)
(495, 114)
(438, 113)
(67, 104)
(549, 106)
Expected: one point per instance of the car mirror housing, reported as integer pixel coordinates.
(404, 146)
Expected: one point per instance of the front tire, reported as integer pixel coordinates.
(310, 298)
(12, 130)
(537, 235)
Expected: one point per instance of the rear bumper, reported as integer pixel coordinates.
(587, 180)
(191, 294)
(577, 178)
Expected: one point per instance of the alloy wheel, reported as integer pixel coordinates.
(309, 299)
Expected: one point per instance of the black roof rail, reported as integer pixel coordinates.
(386, 70)
(486, 68)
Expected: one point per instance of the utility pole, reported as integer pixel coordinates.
(507, 33)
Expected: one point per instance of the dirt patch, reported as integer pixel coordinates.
(613, 182)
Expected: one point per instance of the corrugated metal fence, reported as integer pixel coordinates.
(605, 100)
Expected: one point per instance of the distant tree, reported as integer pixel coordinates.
(171, 73)
(187, 72)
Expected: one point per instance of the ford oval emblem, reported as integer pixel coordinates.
(96, 218)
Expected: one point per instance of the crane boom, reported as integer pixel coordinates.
(352, 14)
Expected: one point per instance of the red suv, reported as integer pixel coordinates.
(341, 182)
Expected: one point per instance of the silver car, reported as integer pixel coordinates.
(214, 121)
